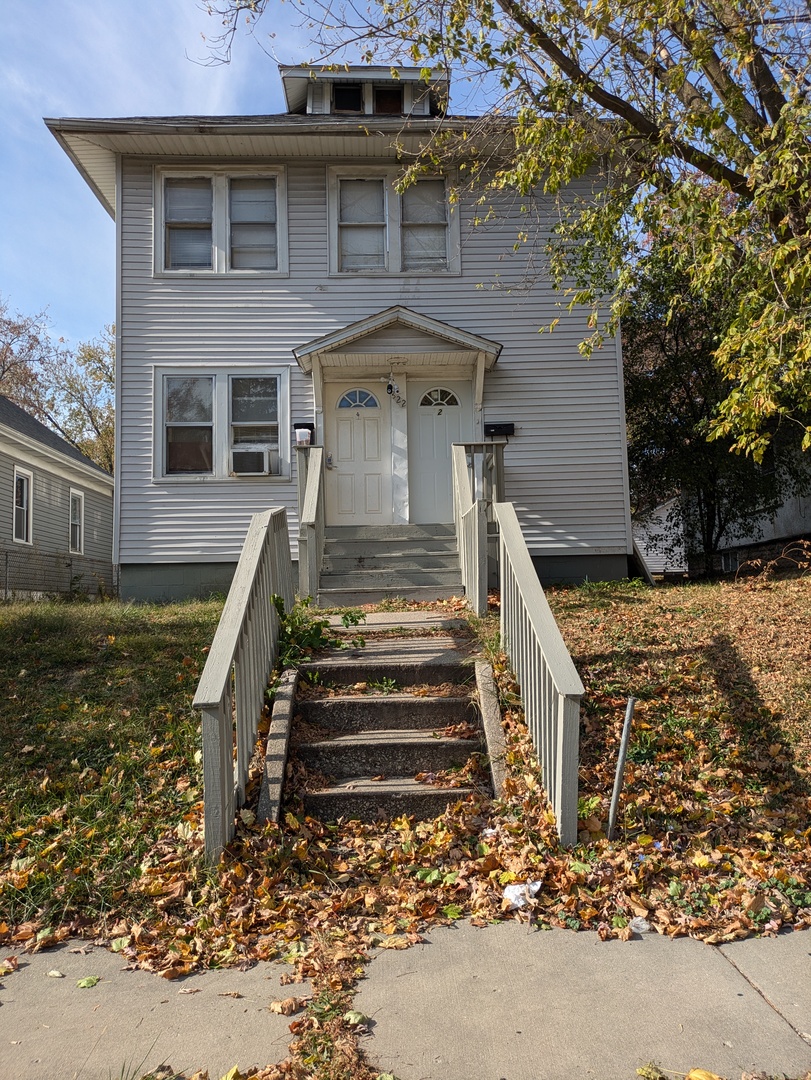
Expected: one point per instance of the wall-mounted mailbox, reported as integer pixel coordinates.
(499, 429)
(304, 433)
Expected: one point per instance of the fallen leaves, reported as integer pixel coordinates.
(288, 1006)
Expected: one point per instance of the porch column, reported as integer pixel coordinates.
(399, 454)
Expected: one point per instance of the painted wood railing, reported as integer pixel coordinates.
(478, 482)
(550, 686)
(310, 461)
(470, 519)
(231, 692)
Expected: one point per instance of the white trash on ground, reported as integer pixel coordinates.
(519, 896)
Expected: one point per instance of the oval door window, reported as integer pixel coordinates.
(438, 396)
(358, 399)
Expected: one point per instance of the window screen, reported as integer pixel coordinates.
(424, 226)
(187, 213)
(252, 217)
(255, 414)
(389, 100)
(362, 225)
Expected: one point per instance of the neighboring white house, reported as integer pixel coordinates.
(270, 274)
(661, 543)
(56, 512)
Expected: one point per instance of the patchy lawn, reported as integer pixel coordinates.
(99, 754)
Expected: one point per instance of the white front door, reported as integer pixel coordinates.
(357, 444)
(439, 414)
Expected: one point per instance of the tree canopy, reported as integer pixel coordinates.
(695, 113)
(71, 391)
(672, 391)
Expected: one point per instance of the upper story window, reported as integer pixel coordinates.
(388, 100)
(220, 422)
(221, 222)
(23, 484)
(347, 97)
(376, 230)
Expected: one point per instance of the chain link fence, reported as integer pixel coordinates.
(27, 575)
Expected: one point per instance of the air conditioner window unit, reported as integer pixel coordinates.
(250, 461)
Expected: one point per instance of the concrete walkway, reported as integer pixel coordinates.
(503, 1003)
(492, 1003)
(133, 1021)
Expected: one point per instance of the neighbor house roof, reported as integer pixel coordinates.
(22, 423)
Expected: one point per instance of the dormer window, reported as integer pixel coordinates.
(388, 100)
(347, 97)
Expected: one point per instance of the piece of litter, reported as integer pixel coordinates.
(519, 896)
(639, 925)
(55, 974)
(189, 990)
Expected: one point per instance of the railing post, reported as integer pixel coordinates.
(218, 781)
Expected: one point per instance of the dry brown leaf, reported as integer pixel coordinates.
(288, 1006)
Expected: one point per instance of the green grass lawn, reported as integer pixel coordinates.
(99, 750)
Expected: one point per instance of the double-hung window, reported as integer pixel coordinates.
(77, 522)
(375, 229)
(221, 422)
(23, 484)
(230, 222)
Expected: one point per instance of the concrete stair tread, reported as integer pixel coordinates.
(439, 648)
(390, 785)
(415, 737)
(355, 596)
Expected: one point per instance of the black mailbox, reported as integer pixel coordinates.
(499, 429)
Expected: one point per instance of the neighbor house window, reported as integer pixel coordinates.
(23, 484)
(376, 230)
(223, 223)
(77, 522)
(221, 423)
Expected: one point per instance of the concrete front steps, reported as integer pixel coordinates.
(367, 563)
(368, 739)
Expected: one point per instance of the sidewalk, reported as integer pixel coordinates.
(492, 1003)
(505, 1003)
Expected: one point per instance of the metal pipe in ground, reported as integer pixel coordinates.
(618, 778)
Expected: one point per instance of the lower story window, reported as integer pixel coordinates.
(77, 522)
(22, 506)
(222, 423)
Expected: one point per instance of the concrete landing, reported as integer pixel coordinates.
(504, 1003)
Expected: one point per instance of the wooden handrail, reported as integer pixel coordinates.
(231, 691)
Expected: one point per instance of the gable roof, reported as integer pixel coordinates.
(21, 422)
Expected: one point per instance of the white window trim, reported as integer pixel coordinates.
(221, 426)
(220, 231)
(29, 476)
(74, 494)
(392, 211)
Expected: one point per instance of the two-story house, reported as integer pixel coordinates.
(271, 273)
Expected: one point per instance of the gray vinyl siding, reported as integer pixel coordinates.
(564, 469)
(47, 565)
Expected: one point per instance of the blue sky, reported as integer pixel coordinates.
(119, 58)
